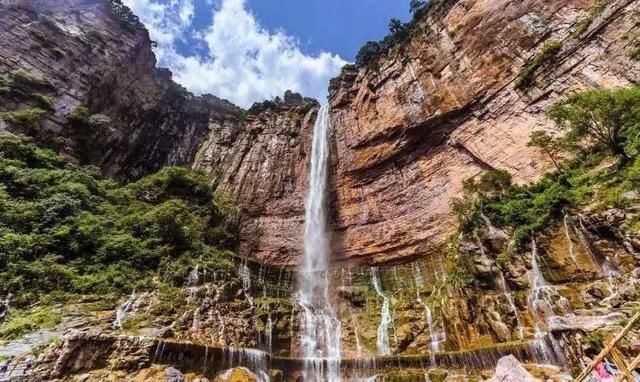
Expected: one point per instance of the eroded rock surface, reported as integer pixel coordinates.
(445, 106)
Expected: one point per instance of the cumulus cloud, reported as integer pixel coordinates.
(243, 62)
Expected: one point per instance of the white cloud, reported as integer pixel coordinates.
(246, 63)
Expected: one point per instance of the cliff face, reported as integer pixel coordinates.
(459, 97)
(456, 99)
(89, 55)
(262, 164)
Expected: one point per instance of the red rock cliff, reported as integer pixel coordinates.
(457, 98)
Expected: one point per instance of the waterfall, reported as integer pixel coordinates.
(269, 334)
(504, 289)
(383, 329)
(128, 308)
(321, 330)
(572, 252)
(434, 336)
(542, 307)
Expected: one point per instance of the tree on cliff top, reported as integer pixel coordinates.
(602, 120)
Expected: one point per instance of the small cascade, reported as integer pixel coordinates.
(357, 335)
(268, 333)
(245, 275)
(504, 289)
(195, 320)
(256, 361)
(433, 334)
(128, 308)
(608, 270)
(383, 329)
(541, 304)
(572, 252)
(492, 229)
(4, 307)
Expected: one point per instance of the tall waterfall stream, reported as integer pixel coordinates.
(321, 332)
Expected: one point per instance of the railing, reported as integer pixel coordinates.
(612, 351)
(16, 370)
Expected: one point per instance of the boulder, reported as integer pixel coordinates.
(586, 323)
(509, 369)
(174, 375)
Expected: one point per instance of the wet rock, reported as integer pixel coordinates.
(174, 375)
(438, 375)
(357, 297)
(585, 323)
(510, 369)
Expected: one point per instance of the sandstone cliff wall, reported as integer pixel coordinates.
(446, 105)
(262, 164)
(94, 57)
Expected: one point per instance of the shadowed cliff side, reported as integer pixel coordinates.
(95, 54)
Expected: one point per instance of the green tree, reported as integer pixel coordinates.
(396, 26)
(548, 144)
(493, 182)
(601, 119)
(416, 5)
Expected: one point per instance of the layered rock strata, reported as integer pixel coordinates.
(89, 54)
(458, 98)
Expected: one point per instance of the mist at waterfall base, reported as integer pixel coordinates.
(321, 332)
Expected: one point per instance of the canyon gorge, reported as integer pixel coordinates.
(350, 257)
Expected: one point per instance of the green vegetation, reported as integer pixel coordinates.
(398, 34)
(26, 321)
(595, 11)
(599, 125)
(596, 339)
(86, 128)
(64, 230)
(128, 19)
(602, 120)
(25, 118)
(23, 86)
(544, 141)
(43, 101)
(549, 51)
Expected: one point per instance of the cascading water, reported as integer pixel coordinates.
(572, 252)
(383, 329)
(542, 307)
(128, 308)
(321, 329)
(433, 334)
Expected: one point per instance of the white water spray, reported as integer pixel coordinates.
(383, 329)
(321, 329)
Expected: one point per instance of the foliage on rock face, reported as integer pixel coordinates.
(549, 51)
(129, 20)
(398, 33)
(602, 120)
(28, 119)
(603, 123)
(26, 87)
(87, 127)
(66, 230)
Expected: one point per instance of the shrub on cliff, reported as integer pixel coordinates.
(65, 229)
(549, 51)
(398, 33)
(28, 119)
(603, 120)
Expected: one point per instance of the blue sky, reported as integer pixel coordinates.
(249, 50)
